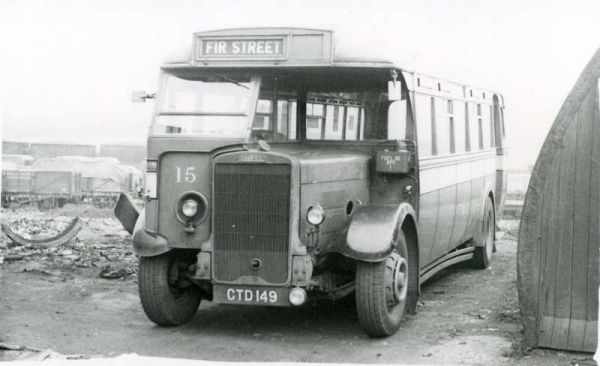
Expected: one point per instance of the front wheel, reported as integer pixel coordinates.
(382, 292)
(166, 298)
(484, 249)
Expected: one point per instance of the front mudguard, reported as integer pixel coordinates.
(145, 243)
(373, 230)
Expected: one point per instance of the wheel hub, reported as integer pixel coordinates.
(400, 283)
(396, 281)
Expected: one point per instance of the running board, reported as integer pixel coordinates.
(457, 256)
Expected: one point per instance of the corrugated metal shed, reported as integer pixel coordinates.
(558, 238)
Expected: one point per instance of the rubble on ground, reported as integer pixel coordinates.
(11, 352)
(101, 248)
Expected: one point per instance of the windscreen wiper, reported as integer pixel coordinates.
(231, 80)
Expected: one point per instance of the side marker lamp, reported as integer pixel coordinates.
(151, 165)
(298, 296)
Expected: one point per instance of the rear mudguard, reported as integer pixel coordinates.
(145, 243)
(373, 230)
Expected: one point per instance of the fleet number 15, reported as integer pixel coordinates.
(185, 174)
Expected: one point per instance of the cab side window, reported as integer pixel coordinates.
(275, 115)
(397, 115)
(423, 107)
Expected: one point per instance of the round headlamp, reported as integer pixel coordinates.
(315, 215)
(189, 207)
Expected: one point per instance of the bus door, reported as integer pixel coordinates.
(501, 172)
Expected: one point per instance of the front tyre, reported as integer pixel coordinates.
(382, 292)
(482, 256)
(166, 298)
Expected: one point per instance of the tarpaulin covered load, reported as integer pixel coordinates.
(98, 174)
(14, 161)
(135, 175)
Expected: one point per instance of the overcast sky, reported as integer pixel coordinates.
(67, 67)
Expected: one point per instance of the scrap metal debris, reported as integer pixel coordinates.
(12, 352)
(62, 237)
(110, 272)
(99, 248)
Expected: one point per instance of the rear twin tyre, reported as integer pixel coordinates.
(163, 301)
(382, 292)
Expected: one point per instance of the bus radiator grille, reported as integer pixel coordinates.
(251, 221)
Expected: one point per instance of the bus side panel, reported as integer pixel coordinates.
(500, 188)
(463, 205)
(477, 186)
(428, 211)
(447, 202)
(483, 173)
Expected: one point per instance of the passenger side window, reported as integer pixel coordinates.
(492, 132)
(487, 130)
(346, 115)
(474, 129)
(286, 117)
(459, 128)
(498, 124)
(480, 127)
(314, 120)
(468, 127)
(352, 123)
(334, 122)
(434, 143)
(442, 126)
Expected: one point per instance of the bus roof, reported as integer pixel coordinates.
(302, 47)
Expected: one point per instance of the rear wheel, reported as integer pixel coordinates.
(382, 292)
(484, 248)
(167, 298)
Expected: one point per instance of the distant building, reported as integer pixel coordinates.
(15, 147)
(46, 150)
(127, 154)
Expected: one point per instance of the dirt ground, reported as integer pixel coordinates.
(81, 299)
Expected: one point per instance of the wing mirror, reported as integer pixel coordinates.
(140, 96)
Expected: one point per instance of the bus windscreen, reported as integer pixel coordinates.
(215, 106)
